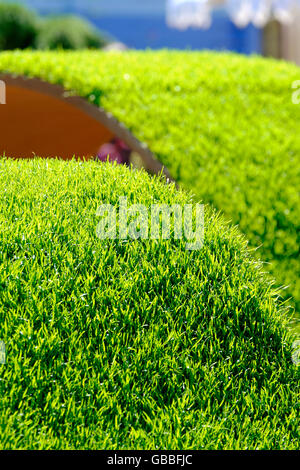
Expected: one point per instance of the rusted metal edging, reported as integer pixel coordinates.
(105, 118)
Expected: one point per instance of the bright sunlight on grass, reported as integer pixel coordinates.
(138, 345)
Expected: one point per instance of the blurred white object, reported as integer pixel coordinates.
(182, 14)
(283, 10)
(261, 12)
(115, 46)
(240, 12)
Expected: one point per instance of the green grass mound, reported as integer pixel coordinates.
(223, 124)
(138, 344)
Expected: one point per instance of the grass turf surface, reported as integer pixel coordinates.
(137, 345)
(223, 124)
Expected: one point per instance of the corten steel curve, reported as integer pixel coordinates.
(45, 120)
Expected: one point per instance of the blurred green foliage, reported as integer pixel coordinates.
(21, 28)
(18, 27)
(68, 32)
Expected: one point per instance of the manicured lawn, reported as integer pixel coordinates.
(137, 345)
(223, 124)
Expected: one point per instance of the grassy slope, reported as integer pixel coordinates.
(223, 124)
(132, 345)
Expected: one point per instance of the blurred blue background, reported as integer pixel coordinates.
(141, 24)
